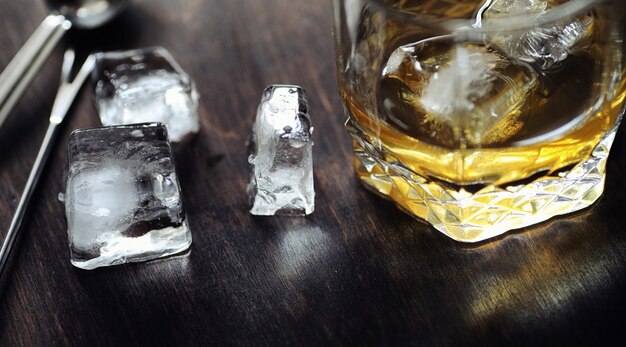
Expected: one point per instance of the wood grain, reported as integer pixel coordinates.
(357, 272)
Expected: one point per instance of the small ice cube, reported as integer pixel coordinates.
(282, 154)
(448, 93)
(122, 199)
(515, 7)
(146, 85)
(544, 46)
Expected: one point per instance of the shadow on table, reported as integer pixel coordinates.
(536, 284)
(150, 294)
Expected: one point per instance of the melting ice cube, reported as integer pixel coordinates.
(544, 46)
(282, 154)
(146, 86)
(122, 199)
(448, 93)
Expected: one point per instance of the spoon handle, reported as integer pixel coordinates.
(27, 62)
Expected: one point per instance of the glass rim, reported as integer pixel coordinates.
(512, 23)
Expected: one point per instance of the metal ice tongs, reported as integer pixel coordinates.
(65, 97)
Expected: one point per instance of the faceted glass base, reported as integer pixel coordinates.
(492, 211)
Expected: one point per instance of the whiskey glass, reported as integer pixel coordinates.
(480, 117)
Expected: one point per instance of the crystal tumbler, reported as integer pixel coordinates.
(482, 116)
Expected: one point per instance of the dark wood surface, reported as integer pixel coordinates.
(358, 271)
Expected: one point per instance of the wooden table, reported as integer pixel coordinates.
(358, 271)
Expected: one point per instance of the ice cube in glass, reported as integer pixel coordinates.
(544, 47)
(447, 93)
(122, 200)
(146, 85)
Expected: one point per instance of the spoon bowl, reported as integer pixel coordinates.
(88, 14)
(83, 14)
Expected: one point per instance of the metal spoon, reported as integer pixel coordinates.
(64, 99)
(84, 14)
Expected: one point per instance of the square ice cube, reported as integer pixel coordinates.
(450, 93)
(545, 46)
(122, 198)
(282, 154)
(146, 85)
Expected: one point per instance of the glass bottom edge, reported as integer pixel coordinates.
(492, 211)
